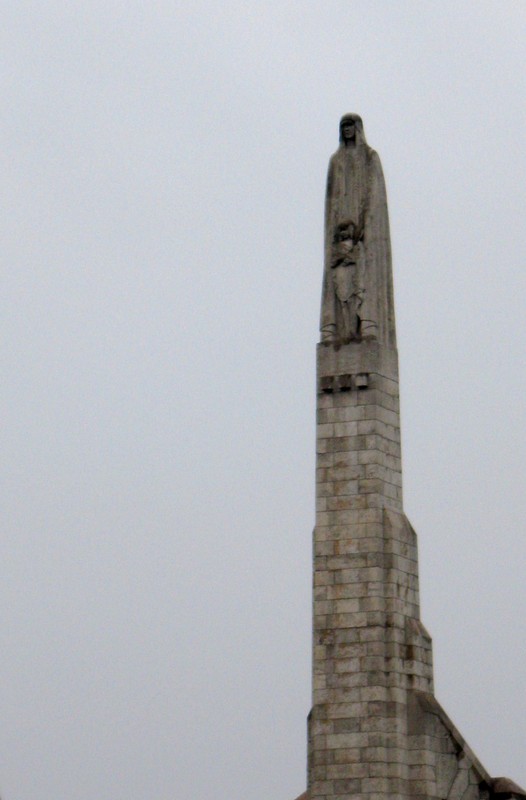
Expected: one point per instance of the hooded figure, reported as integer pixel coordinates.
(356, 201)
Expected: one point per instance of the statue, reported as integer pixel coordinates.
(347, 272)
(357, 298)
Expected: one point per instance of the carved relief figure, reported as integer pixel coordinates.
(356, 202)
(347, 265)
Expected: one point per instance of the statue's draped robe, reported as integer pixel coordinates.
(356, 191)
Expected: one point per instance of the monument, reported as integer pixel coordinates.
(375, 730)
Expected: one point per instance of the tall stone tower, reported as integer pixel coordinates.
(375, 730)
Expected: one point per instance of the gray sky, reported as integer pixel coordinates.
(162, 191)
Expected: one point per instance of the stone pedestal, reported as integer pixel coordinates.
(369, 646)
(375, 729)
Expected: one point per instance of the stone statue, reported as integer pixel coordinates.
(347, 273)
(357, 298)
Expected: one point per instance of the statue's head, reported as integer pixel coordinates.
(351, 129)
(344, 231)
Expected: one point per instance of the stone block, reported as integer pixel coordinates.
(348, 487)
(320, 727)
(392, 724)
(345, 428)
(351, 665)
(324, 401)
(322, 445)
(368, 456)
(380, 785)
(337, 711)
(343, 503)
(347, 786)
(350, 725)
(324, 548)
(341, 591)
(381, 754)
(348, 770)
(325, 460)
(346, 620)
(459, 785)
(321, 789)
(351, 413)
(359, 503)
(325, 430)
(341, 460)
(351, 755)
(366, 426)
(347, 606)
(344, 399)
(423, 788)
(340, 741)
(323, 578)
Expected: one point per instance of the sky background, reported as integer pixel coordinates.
(163, 171)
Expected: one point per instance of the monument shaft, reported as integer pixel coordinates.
(369, 646)
(376, 731)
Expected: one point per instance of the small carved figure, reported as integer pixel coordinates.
(347, 264)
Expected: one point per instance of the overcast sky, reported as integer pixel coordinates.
(162, 199)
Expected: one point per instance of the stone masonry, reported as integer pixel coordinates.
(369, 647)
(375, 731)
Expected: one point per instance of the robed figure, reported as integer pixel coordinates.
(357, 298)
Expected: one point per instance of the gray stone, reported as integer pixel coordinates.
(376, 732)
(357, 285)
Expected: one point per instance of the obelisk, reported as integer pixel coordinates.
(375, 728)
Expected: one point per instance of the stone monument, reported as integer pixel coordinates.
(375, 730)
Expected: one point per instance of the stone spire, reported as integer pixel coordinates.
(375, 728)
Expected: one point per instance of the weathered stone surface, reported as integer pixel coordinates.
(357, 284)
(375, 731)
